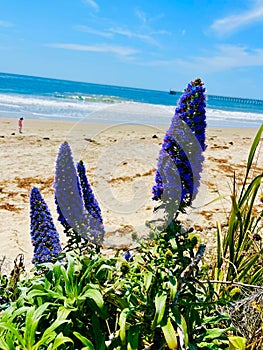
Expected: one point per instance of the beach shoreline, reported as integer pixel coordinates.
(120, 160)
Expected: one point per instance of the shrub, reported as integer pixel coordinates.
(155, 300)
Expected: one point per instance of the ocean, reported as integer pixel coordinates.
(54, 99)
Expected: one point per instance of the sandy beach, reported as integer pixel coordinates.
(121, 162)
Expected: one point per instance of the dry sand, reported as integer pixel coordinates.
(120, 162)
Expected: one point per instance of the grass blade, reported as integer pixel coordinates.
(251, 156)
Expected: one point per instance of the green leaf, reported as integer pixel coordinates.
(85, 341)
(17, 336)
(98, 332)
(219, 244)
(160, 305)
(181, 323)
(257, 276)
(122, 324)
(250, 191)
(139, 259)
(170, 335)
(237, 343)
(32, 319)
(249, 265)
(250, 159)
(49, 333)
(133, 337)
(6, 345)
(57, 273)
(12, 312)
(214, 333)
(253, 149)
(103, 269)
(172, 284)
(96, 296)
(63, 312)
(70, 268)
(147, 280)
(36, 293)
(68, 287)
(61, 339)
(173, 243)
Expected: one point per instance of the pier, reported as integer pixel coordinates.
(239, 100)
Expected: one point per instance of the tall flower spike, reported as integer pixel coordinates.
(68, 196)
(95, 219)
(44, 236)
(180, 159)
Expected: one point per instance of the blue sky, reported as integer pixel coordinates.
(153, 44)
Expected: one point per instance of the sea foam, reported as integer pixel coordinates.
(112, 111)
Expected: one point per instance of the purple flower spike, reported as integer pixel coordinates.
(180, 159)
(68, 196)
(95, 219)
(44, 236)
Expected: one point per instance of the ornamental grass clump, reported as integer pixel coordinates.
(180, 158)
(239, 245)
(44, 236)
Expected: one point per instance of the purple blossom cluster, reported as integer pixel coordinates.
(95, 219)
(44, 236)
(176, 182)
(191, 109)
(68, 196)
(180, 159)
(76, 205)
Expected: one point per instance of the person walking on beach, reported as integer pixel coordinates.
(20, 124)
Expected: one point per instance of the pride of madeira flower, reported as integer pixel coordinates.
(68, 196)
(180, 159)
(44, 236)
(91, 204)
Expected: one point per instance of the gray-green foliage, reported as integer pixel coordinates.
(96, 302)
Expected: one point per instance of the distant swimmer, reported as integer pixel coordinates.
(20, 124)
